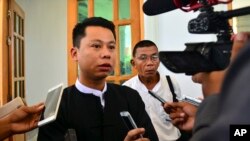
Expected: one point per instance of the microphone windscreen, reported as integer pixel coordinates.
(154, 7)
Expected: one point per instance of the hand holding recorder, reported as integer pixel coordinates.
(184, 98)
(182, 114)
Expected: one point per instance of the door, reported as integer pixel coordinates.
(16, 55)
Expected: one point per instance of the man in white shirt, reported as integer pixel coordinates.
(146, 61)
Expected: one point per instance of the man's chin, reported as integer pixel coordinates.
(102, 76)
(149, 75)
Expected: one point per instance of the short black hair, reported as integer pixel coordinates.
(143, 43)
(79, 29)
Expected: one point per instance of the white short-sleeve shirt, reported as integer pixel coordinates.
(165, 130)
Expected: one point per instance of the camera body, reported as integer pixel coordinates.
(198, 57)
(205, 56)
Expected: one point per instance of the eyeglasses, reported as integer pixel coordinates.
(144, 57)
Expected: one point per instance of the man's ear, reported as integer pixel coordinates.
(73, 53)
(132, 62)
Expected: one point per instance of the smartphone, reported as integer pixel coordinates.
(190, 100)
(157, 97)
(52, 104)
(128, 120)
(11, 106)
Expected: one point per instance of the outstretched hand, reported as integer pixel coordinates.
(25, 118)
(21, 120)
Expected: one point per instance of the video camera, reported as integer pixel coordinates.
(203, 56)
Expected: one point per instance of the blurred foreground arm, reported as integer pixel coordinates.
(21, 120)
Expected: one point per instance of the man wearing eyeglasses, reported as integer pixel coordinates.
(146, 61)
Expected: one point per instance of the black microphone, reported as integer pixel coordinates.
(154, 7)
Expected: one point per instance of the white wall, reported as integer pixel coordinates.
(46, 48)
(169, 31)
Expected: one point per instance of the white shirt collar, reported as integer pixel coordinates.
(87, 90)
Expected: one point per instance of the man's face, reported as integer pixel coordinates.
(96, 54)
(146, 61)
